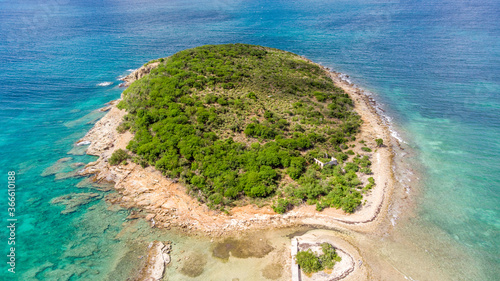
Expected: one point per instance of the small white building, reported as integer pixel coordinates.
(332, 161)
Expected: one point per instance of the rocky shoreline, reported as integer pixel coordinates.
(165, 203)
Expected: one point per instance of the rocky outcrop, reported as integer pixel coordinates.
(57, 167)
(158, 258)
(102, 136)
(139, 73)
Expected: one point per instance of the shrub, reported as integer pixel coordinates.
(281, 206)
(320, 96)
(258, 130)
(380, 142)
(367, 149)
(362, 161)
(268, 114)
(210, 99)
(119, 156)
(308, 261)
(123, 127)
(297, 165)
(140, 161)
(341, 156)
(260, 191)
(227, 86)
(215, 199)
(366, 171)
(329, 257)
(222, 101)
(351, 167)
(370, 185)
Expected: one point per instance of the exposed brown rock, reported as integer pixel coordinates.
(139, 73)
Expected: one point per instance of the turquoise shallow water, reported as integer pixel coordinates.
(435, 66)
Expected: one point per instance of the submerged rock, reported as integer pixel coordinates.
(78, 150)
(58, 166)
(68, 272)
(91, 183)
(30, 274)
(194, 265)
(158, 258)
(62, 176)
(83, 250)
(73, 200)
(245, 247)
(76, 165)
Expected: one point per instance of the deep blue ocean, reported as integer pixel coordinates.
(433, 65)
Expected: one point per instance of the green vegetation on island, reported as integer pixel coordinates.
(310, 263)
(242, 124)
(119, 156)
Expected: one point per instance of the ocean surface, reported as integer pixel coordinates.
(434, 66)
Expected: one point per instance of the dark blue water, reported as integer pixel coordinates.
(434, 64)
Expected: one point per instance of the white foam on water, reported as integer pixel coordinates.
(125, 74)
(105, 84)
(345, 77)
(386, 119)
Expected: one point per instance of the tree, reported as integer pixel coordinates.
(380, 142)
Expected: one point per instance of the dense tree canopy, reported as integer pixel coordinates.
(235, 122)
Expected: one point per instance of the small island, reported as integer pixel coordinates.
(223, 138)
(235, 123)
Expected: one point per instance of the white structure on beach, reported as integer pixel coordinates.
(333, 161)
